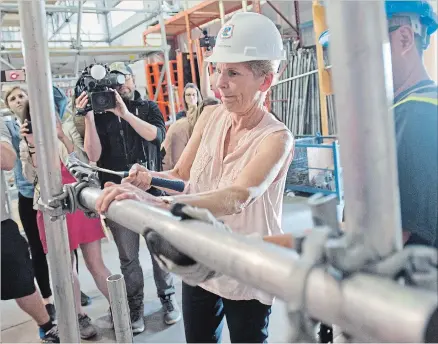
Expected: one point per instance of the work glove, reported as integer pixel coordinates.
(171, 260)
(417, 264)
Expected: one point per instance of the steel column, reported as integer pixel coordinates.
(362, 76)
(119, 308)
(38, 74)
(78, 36)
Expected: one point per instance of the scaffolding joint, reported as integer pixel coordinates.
(67, 202)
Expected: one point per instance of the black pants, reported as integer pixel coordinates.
(39, 260)
(16, 267)
(204, 313)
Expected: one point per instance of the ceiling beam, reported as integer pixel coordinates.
(13, 8)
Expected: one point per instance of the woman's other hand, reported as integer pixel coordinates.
(139, 176)
(118, 192)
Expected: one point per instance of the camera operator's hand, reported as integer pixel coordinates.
(120, 110)
(139, 176)
(81, 103)
(24, 131)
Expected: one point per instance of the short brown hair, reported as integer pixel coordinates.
(12, 89)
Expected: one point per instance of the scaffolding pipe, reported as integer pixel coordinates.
(87, 51)
(244, 5)
(13, 8)
(2, 60)
(107, 23)
(404, 312)
(299, 76)
(160, 82)
(282, 16)
(132, 27)
(167, 62)
(71, 40)
(362, 76)
(222, 12)
(78, 36)
(119, 308)
(38, 75)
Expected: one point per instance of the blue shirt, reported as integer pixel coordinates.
(24, 187)
(416, 125)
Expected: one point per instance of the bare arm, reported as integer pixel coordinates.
(8, 156)
(271, 159)
(92, 144)
(144, 129)
(27, 164)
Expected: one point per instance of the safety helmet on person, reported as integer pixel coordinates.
(248, 36)
(421, 15)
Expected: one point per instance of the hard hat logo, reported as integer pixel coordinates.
(227, 31)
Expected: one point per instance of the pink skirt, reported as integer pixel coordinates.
(81, 229)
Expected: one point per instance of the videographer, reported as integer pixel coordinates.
(130, 133)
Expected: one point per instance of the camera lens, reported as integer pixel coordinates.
(102, 100)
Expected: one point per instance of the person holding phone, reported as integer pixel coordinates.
(15, 99)
(83, 232)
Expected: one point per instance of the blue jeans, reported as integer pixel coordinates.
(204, 313)
(128, 245)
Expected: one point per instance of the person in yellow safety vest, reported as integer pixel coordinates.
(410, 25)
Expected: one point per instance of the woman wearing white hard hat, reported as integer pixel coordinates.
(234, 165)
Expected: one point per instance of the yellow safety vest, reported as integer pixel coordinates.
(429, 100)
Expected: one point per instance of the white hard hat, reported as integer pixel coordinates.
(248, 36)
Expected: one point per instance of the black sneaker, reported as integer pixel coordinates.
(86, 328)
(51, 336)
(50, 307)
(85, 300)
(172, 314)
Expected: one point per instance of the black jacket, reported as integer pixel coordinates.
(122, 146)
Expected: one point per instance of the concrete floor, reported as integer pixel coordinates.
(18, 327)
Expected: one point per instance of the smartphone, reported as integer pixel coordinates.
(29, 127)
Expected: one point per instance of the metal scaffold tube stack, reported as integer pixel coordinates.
(295, 98)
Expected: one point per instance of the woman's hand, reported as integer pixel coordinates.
(139, 176)
(24, 132)
(81, 102)
(118, 192)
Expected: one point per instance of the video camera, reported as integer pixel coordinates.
(97, 80)
(207, 41)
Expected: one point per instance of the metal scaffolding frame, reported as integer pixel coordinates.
(350, 303)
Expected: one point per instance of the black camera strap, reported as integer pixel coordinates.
(125, 147)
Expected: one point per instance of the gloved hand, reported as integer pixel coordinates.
(171, 260)
(417, 264)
